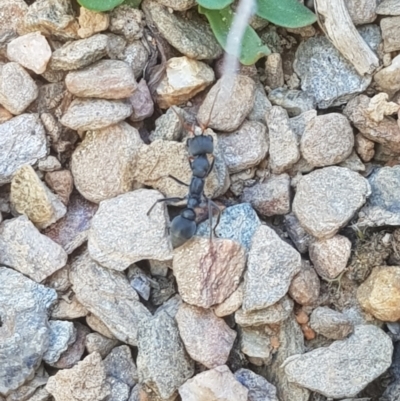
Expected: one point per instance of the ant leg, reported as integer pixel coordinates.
(215, 206)
(210, 218)
(211, 165)
(176, 199)
(178, 180)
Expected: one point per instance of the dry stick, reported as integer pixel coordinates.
(335, 21)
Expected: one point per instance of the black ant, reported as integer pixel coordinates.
(183, 226)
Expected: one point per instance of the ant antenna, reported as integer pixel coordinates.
(185, 125)
(205, 126)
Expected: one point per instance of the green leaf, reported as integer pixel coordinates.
(252, 46)
(214, 4)
(100, 5)
(133, 3)
(286, 13)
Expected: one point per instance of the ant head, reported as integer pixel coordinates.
(188, 214)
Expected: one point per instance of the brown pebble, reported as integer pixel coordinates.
(309, 333)
(61, 182)
(301, 317)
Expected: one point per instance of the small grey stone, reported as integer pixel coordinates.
(95, 114)
(162, 361)
(140, 281)
(136, 56)
(133, 235)
(17, 89)
(274, 314)
(388, 78)
(388, 7)
(229, 112)
(231, 304)
(274, 71)
(261, 105)
(326, 74)
(372, 34)
(299, 123)
(354, 163)
(193, 37)
(305, 286)
(107, 294)
(171, 306)
(271, 266)
(270, 197)
(159, 267)
(98, 326)
(294, 101)
(79, 53)
(255, 342)
(237, 223)
(344, 368)
(168, 127)
(116, 45)
(259, 388)
(61, 335)
(283, 149)
(25, 249)
(119, 391)
(297, 234)
(362, 11)
(330, 323)
(390, 27)
(51, 163)
(120, 365)
(68, 308)
(163, 289)
(245, 147)
(95, 342)
(24, 307)
(383, 206)
(103, 163)
(327, 199)
(142, 102)
(127, 21)
(207, 338)
(106, 79)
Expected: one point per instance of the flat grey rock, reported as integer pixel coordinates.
(237, 223)
(108, 295)
(383, 206)
(259, 388)
(326, 74)
(271, 266)
(328, 198)
(162, 361)
(345, 367)
(120, 365)
(61, 335)
(24, 334)
(293, 100)
(24, 138)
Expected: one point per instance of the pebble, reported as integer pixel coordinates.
(388, 7)
(127, 21)
(142, 102)
(299, 123)
(283, 148)
(107, 294)
(171, 306)
(68, 309)
(52, 18)
(388, 78)
(61, 335)
(95, 342)
(62, 183)
(345, 367)
(274, 314)
(103, 163)
(231, 304)
(191, 37)
(91, 22)
(133, 236)
(362, 11)
(116, 45)
(162, 361)
(24, 309)
(178, 5)
(354, 163)
(98, 326)
(237, 223)
(12, 17)
(330, 256)
(255, 342)
(271, 266)
(17, 89)
(229, 112)
(274, 71)
(244, 148)
(301, 239)
(294, 101)
(221, 262)
(207, 338)
(270, 197)
(106, 79)
(140, 281)
(379, 294)
(119, 391)
(325, 74)
(136, 55)
(160, 268)
(168, 126)
(259, 388)
(214, 384)
(364, 147)
(382, 207)
(390, 27)
(183, 79)
(50, 163)
(5, 115)
(162, 158)
(330, 323)
(305, 286)
(95, 114)
(71, 231)
(72, 384)
(260, 106)
(120, 365)
(30, 196)
(240, 180)
(327, 140)
(327, 199)
(25, 249)
(31, 51)
(361, 111)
